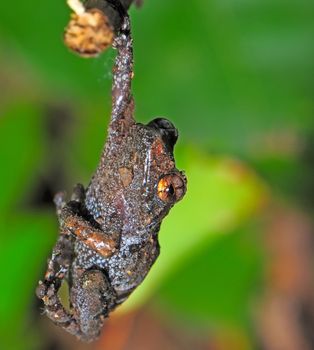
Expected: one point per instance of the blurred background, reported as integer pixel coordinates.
(236, 78)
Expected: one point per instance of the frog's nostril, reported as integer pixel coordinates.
(168, 131)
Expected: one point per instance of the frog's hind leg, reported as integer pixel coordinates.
(58, 269)
(47, 290)
(91, 295)
(54, 309)
(92, 298)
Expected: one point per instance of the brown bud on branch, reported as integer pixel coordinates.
(93, 25)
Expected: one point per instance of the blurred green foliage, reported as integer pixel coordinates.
(235, 78)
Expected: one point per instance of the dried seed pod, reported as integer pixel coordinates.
(89, 34)
(93, 25)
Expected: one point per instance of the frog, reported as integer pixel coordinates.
(108, 236)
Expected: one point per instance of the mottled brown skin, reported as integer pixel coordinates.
(109, 232)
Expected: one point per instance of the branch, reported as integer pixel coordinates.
(94, 25)
(122, 101)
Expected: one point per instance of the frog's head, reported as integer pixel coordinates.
(171, 186)
(156, 182)
(137, 181)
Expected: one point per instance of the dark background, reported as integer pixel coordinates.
(236, 78)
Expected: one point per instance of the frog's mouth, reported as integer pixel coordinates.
(167, 130)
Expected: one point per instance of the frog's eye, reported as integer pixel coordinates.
(171, 188)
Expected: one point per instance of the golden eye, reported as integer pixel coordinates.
(171, 188)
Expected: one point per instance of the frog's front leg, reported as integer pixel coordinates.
(88, 233)
(75, 221)
(92, 299)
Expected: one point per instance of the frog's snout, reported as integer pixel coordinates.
(168, 131)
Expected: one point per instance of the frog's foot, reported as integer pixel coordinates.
(60, 202)
(92, 299)
(76, 202)
(78, 194)
(53, 308)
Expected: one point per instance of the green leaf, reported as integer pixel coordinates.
(25, 245)
(232, 70)
(21, 145)
(216, 286)
(34, 31)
